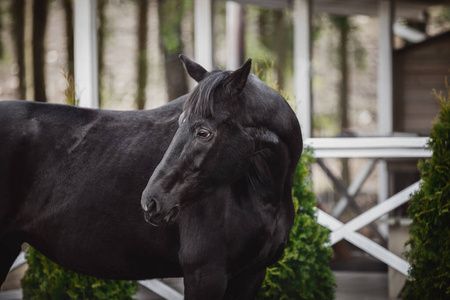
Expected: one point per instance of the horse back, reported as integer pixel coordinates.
(72, 180)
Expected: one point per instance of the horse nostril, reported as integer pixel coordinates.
(151, 205)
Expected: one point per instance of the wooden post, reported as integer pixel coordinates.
(235, 34)
(85, 52)
(203, 48)
(302, 64)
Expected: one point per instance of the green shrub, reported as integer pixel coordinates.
(429, 209)
(45, 279)
(303, 272)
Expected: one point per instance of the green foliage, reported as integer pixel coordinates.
(45, 279)
(171, 13)
(303, 272)
(430, 211)
(71, 97)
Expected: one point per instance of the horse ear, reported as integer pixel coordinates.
(194, 70)
(236, 81)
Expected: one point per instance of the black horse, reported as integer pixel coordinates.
(220, 160)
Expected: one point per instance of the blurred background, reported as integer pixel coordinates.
(138, 46)
(139, 43)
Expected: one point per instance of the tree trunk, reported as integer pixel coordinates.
(2, 52)
(101, 13)
(142, 60)
(18, 24)
(40, 11)
(170, 15)
(280, 45)
(343, 27)
(68, 8)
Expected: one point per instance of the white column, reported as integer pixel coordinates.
(302, 64)
(85, 52)
(384, 93)
(385, 86)
(203, 47)
(235, 34)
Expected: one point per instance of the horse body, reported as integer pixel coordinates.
(219, 194)
(75, 173)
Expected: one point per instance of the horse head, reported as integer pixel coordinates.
(215, 145)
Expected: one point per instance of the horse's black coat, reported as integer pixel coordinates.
(219, 193)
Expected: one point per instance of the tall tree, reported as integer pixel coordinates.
(342, 25)
(18, 27)
(171, 14)
(275, 34)
(142, 60)
(68, 8)
(40, 12)
(101, 32)
(1, 26)
(280, 44)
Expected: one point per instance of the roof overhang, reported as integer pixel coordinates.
(409, 9)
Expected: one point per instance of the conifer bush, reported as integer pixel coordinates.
(429, 209)
(45, 279)
(303, 272)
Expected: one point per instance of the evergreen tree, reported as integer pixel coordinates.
(430, 211)
(45, 279)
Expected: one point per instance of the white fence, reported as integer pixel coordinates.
(377, 150)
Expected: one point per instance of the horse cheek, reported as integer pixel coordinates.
(236, 159)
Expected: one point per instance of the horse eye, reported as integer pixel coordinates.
(203, 133)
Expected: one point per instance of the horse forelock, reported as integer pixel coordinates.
(200, 102)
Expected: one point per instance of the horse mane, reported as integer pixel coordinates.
(200, 101)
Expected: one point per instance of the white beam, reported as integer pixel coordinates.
(385, 92)
(373, 213)
(161, 289)
(365, 244)
(85, 52)
(235, 22)
(203, 48)
(11, 294)
(302, 64)
(354, 188)
(385, 77)
(375, 147)
(408, 33)
(20, 260)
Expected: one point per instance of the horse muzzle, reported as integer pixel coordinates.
(156, 216)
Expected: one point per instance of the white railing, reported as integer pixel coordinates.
(376, 149)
